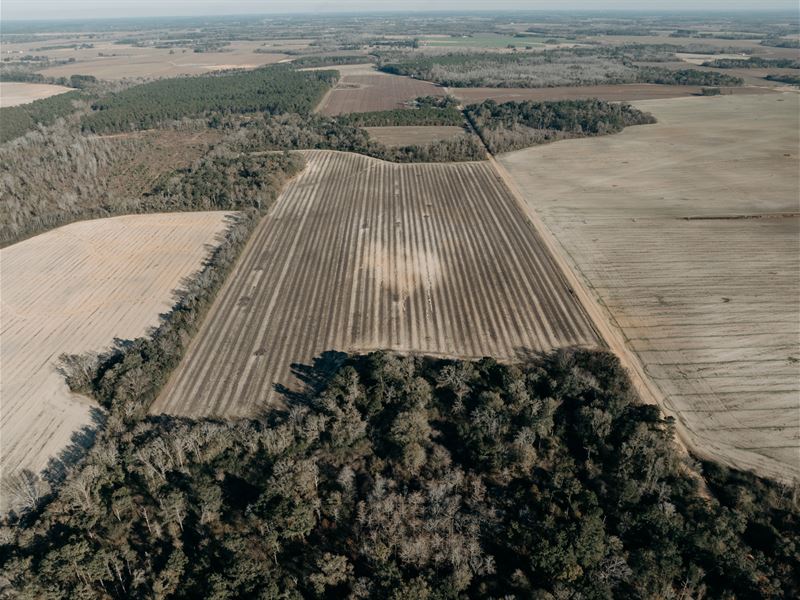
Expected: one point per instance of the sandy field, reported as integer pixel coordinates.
(408, 135)
(123, 61)
(363, 89)
(359, 254)
(74, 290)
(688, 234)
(612, 93)
(14, 94)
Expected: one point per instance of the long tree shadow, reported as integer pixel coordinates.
(313, 378)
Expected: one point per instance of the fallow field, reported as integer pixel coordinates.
(14, 94)
(363, 89)
(74, 290)
(688, 233)
(359, 254)
(410, 135)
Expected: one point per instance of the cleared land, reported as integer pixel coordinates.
(406, 136)
(14, 94)
(627, 92)
(360, 254)
(121, 61)
(687, 232)
(363, 91)
(75, 289)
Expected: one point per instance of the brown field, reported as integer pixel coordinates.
(131, 62)
(75, 289)
(628, 92)
(688, 234)
(360, 254)
(364, 91)
(14, 94)
(408, 135)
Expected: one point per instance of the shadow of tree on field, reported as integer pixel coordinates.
(313, 378)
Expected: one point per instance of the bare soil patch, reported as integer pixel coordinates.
(360, 254)
(14, 93)
(408, 135)
(373, 91)
(710, 305)
(74, 290)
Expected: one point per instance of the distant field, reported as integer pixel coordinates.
(407, 136)
(14, 94)
(123, 61)
(359, 254)
(481, 41)
(688, 233)
(74, 290)
(360, 91)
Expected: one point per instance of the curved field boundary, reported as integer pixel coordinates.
(74, 290)
(360, 254)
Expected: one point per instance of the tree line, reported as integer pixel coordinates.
(16, 121)
(406, 477)
(514, 125)
(753, 62)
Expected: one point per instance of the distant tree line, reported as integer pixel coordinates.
(780, 42)
(753, 62)
(405, 477)
(332, 61)
(791, 79)
(686, 77)
(514, 125)
(274, 89)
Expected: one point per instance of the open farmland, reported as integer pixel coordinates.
(409, 135)
(74, 290)
(119, 61)
(363, 89)
(14, 94)
(688, 233)
(360, 254)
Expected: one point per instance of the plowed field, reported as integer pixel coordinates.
(688, 233)
(74, 290)
(360, 254)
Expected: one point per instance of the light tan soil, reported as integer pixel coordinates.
(406, 136)
(74, 290)
(709, 302)
(14, 94)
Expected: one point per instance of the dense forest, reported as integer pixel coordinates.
(572, 67)
(753, 62)
(16, 121)
(403, 477)
(514, 125)
(273, 89)
(331, 60)
(404, 117)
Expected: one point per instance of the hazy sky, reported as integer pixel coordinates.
(82, 9)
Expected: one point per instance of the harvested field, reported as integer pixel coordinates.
(688, 233)
(14, 94)
(406, 136)
(122, 61)
(364, 92)
(75, 289)
(627, 92)
(359, 254)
